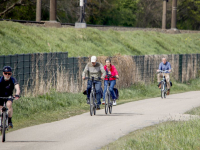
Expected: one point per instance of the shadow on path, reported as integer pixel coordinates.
(30, 141)
(119, 114)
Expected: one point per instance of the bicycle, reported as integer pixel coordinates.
(108, 97)
(93, 100)
(4, 118)
(163, 84)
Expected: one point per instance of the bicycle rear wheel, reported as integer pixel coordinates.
(162, 90)
(110, 109)
(3, 129)
(165, 93)
(94, 106)
(110, 104)
(106, 103)
(91, 104)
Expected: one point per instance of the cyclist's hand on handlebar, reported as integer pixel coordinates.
(16, 97)
(117, 76)
(102, 78)
(83, 78)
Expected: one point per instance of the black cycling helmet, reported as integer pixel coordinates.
(7, 69)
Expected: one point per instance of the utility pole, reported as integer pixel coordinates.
(81, 21)
(38, 10)
(174, 13)
(164, 17)
(53, 4)
(174, 19)
(52, 21)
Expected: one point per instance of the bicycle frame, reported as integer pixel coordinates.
(108, 103)
(93, 99)
(93, 91)
(108, 87)
(163, 84)
(4, 110)
(4, 118)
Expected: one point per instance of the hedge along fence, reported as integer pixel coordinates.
(40, 73)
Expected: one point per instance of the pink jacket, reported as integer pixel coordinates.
(113, 71)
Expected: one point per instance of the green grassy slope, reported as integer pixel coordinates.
(17, 38)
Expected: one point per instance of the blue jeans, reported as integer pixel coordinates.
(112, 84)
(97, 88)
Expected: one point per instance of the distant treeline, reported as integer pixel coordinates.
(136, 13)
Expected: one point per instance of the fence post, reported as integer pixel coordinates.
(164, 20)
(38, 10)
(21, 71)
(180, 67)
(26, 70)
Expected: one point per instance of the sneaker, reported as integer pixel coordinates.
(114, 102)
(10, 125)
(168, 91)
(88, 101)
(103, 102)
(159, 85)
(98, 107)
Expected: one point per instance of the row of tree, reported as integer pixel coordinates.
(136, 13)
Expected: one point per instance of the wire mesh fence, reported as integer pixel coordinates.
(42, 72)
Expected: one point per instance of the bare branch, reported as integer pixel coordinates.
(19, 3)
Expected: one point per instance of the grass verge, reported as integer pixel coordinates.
(16, 38)
(169, 135)
(194, 111)
(54, 106)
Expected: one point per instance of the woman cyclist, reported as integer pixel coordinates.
(110, 69)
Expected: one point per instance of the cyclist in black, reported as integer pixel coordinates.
(7, 85)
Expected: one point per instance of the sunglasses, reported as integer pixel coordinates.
(7, 73)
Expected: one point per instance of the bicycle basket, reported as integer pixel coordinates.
(85, 92)
(116, 92)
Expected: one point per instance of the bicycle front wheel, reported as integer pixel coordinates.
(106, 103)
(91, 104)
(110, 109)
(3, 129)
(94, 106)
(110, 104)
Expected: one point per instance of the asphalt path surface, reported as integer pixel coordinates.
(85, 132)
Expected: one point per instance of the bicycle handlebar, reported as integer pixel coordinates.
(95, 79)
(8, 97)
(161, 71)
(109, 76)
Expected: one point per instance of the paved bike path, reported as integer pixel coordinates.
(84, 132)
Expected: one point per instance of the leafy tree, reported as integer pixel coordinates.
(112, 12)
(18, 9)
(189, 14)
(136, 13)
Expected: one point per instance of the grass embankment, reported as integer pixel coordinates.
(169, 135)
(17, 38)
(29, 111)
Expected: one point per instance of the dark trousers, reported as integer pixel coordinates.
(97, 88)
